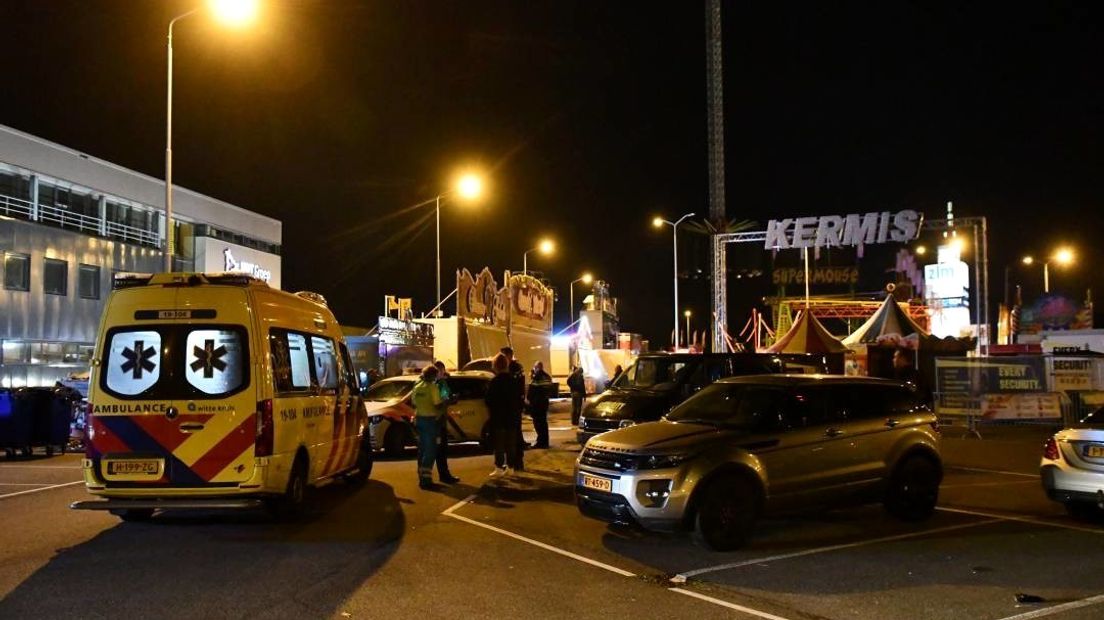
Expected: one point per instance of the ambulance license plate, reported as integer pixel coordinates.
(134, 467)
(598, 484)
(1095, 451)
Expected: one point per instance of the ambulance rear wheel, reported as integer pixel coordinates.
(291, 504)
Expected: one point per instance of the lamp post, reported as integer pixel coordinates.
(586, 278)
(1063, 256)
(545, 247)
(231, 12)
(469, 187)
(658, 222)
(687, 315)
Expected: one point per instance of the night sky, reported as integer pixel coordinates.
(590, 118)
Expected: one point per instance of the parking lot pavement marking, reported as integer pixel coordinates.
(467, 500)
(537, 543)
(1021, 519)
(52, 486)
(993, 471)
(716, 601)
(1057, 609)
(985, 484)
(682, 577)
(19, 484)
(74, 466)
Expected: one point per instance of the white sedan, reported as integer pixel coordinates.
(1072, 468)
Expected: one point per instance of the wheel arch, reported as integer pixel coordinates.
(741, 470)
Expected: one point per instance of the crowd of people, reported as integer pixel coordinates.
(508, 397)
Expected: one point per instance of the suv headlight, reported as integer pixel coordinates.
(662, 461)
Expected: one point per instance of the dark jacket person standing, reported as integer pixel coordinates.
(540, 383)
(503, 405)
(577, 384)
(517, 371)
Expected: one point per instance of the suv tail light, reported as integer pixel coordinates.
(265, 430)
(1050, 450)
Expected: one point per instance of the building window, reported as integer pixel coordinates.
(88, 281)
(17, 272)
(55, 278)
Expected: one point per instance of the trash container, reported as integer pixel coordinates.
(17, 428)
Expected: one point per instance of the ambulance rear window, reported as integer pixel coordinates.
(175, 362)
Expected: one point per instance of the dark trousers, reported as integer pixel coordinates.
(442, 450)
(576, 407)
(506, 449)
(540, 424)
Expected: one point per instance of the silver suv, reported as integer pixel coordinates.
(749, 446)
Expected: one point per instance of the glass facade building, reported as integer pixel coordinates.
(69, 222)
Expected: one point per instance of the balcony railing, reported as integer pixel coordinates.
(22, 209)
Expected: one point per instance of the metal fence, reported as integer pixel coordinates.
(19, 208)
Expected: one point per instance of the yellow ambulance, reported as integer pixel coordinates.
(217, 391)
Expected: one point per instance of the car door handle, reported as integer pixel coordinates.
(833, 432)
(892, 423)
(191, 427)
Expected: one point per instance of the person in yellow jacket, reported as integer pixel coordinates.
(426, 397)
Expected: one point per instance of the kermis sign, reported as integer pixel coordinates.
(855, 230)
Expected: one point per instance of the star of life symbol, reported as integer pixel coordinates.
(209, 358)
(138, 359)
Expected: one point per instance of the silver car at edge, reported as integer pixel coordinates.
(749, 446)
(1072, 468)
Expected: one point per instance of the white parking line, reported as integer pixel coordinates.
(1021, 519)
(993, 471)
(53, 486)
(1049, 611)
(985, 484)
(715, 601)
(451, 512)
(545, 546)
(682, 577)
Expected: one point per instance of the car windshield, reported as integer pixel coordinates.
(388, 390)
(746, 408)
(651, 372)
(1094, 419)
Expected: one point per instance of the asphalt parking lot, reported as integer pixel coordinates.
(496, 548)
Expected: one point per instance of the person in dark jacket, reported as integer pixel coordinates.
(540, 383)
(504, 408)
(577, 384)
(904, 370)
(517, 371)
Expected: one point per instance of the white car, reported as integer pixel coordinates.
(391, 414)
(1072, 468)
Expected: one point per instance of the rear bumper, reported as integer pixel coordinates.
(1067, 484)
(170, 504)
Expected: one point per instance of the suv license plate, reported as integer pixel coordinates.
(1094, 451)
(134, 467)
(598, 484)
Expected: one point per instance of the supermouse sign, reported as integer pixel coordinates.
(854, 229)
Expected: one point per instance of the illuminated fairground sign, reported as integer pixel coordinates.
(855, 229)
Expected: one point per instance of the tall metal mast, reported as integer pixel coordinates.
(715, 95)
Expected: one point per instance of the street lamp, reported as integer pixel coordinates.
(658, 222)
(586, 278)
(235, 13)
(687, 315)
(1063, 256)
(546, 247)
(469, 187)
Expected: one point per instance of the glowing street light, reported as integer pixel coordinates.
(586, 278)
(1063, 256)
(234, 13)
(658, 222)
(469, 187)
(921, 250)
(546, 247)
